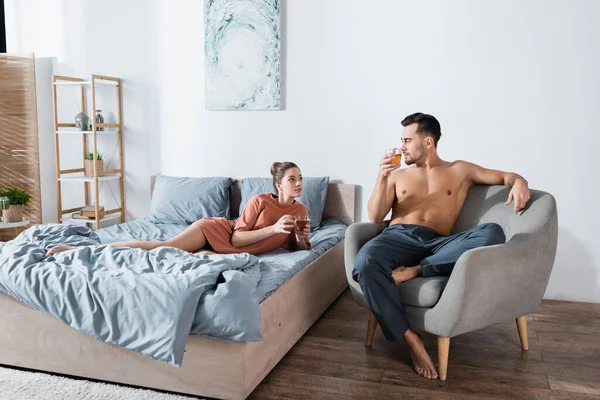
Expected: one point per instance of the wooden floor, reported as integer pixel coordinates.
(332, 362)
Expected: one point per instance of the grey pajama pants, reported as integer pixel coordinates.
(409, 245)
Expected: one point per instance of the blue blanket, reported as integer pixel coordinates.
(276, 267)
(146, 301)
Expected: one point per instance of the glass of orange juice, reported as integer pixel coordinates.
(395, 152)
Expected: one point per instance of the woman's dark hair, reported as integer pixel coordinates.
(278, 171)
(427, 125)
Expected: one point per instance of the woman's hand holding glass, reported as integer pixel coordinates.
(284, 225)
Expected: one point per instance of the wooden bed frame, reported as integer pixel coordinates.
(211, 367)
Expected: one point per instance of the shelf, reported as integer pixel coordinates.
(76, 132)
(6, 225)
(85, 83)
(67, 219)
(72, 125)
(83, 178)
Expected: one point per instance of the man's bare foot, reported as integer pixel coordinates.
(403, 274)
(421, 360)
(59, 249)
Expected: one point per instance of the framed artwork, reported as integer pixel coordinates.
(242, 54)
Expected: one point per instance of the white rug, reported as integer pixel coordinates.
(24, 385)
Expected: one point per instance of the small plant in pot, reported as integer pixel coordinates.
(89, 164)
(17, 199)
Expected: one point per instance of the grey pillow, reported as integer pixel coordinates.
(313, 195)
(182, 200)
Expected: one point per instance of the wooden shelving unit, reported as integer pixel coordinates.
(77, 174)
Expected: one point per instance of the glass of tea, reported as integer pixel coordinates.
(301, 222)
(395, 152)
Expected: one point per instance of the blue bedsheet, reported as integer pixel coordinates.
(148, 301)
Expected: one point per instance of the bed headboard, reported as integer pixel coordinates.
(339, 203)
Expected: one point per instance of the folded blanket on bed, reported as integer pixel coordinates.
(146, 301)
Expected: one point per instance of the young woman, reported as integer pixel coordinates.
(266, 224)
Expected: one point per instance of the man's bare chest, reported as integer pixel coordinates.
(439, 185)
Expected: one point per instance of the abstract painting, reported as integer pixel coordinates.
(242, 54)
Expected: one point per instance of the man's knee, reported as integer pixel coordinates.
(365, 263)
(492, 234)
(361, 261)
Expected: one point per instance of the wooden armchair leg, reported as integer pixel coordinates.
(371, 329)
(443, 350)
(522, 327)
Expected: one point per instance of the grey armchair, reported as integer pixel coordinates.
(488, 284)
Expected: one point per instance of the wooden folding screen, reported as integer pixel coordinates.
(19, 161)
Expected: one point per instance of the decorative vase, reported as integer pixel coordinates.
(99, 119)
(82, 121)
(14, 213)
(89, 167)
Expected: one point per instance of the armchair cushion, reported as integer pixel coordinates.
(422, 292)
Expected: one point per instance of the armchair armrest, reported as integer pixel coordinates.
(357, 235)
(495, 283)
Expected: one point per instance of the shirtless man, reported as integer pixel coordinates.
(425, 200)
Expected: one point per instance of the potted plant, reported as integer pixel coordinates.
(89, 164)
(17, 198)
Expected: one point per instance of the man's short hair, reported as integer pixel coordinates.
(427, 125)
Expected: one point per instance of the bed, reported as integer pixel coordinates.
(212, 367)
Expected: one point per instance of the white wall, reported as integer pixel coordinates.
(44, 68)
(513, 83)
(99, 37)
(120, 39)
(35, 25)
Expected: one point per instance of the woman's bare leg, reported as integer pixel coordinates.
(190, 240)
(204, 252)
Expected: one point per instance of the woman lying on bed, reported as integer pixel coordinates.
(266, 224)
